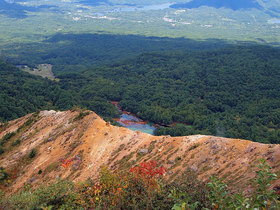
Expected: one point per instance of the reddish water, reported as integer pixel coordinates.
(133, 122)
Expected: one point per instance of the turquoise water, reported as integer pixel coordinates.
(274, 21)
(143, 128)
(134, 123)
(120, 8)
(144, 8)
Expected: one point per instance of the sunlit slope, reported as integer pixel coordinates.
(74, 144)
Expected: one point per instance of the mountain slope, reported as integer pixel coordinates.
(75, 144)
(14, 10)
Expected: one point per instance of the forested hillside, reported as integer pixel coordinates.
(22, 93)
(233, 92)
(78, 52)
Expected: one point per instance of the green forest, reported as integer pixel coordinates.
(22, 93)
(78, 52)
(232, 92)
(199, 87)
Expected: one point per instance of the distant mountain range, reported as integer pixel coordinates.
(231, 4)
(14, 10)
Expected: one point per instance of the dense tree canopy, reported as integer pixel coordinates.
(231, 91)
(22, 93)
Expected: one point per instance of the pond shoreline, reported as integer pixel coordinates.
(132, 121)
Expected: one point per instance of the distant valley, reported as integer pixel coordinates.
(247, 20)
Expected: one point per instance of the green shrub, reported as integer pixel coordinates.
(182, 201)
(2, 150)
(262, 198)
(58, 195)
(17, 142)
(187, 186)
(80, 116)
(6, 138)
(3, 175)
(144, 188)
(32, 154)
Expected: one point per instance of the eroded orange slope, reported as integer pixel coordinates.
(73, 148)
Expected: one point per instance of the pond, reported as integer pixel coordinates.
(129, 120)
(142, 8)
(125, 7)
(274, 21)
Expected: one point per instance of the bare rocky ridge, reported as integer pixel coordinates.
(74, 144)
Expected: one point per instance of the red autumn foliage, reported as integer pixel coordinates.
(66, 162)
(148, 170)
